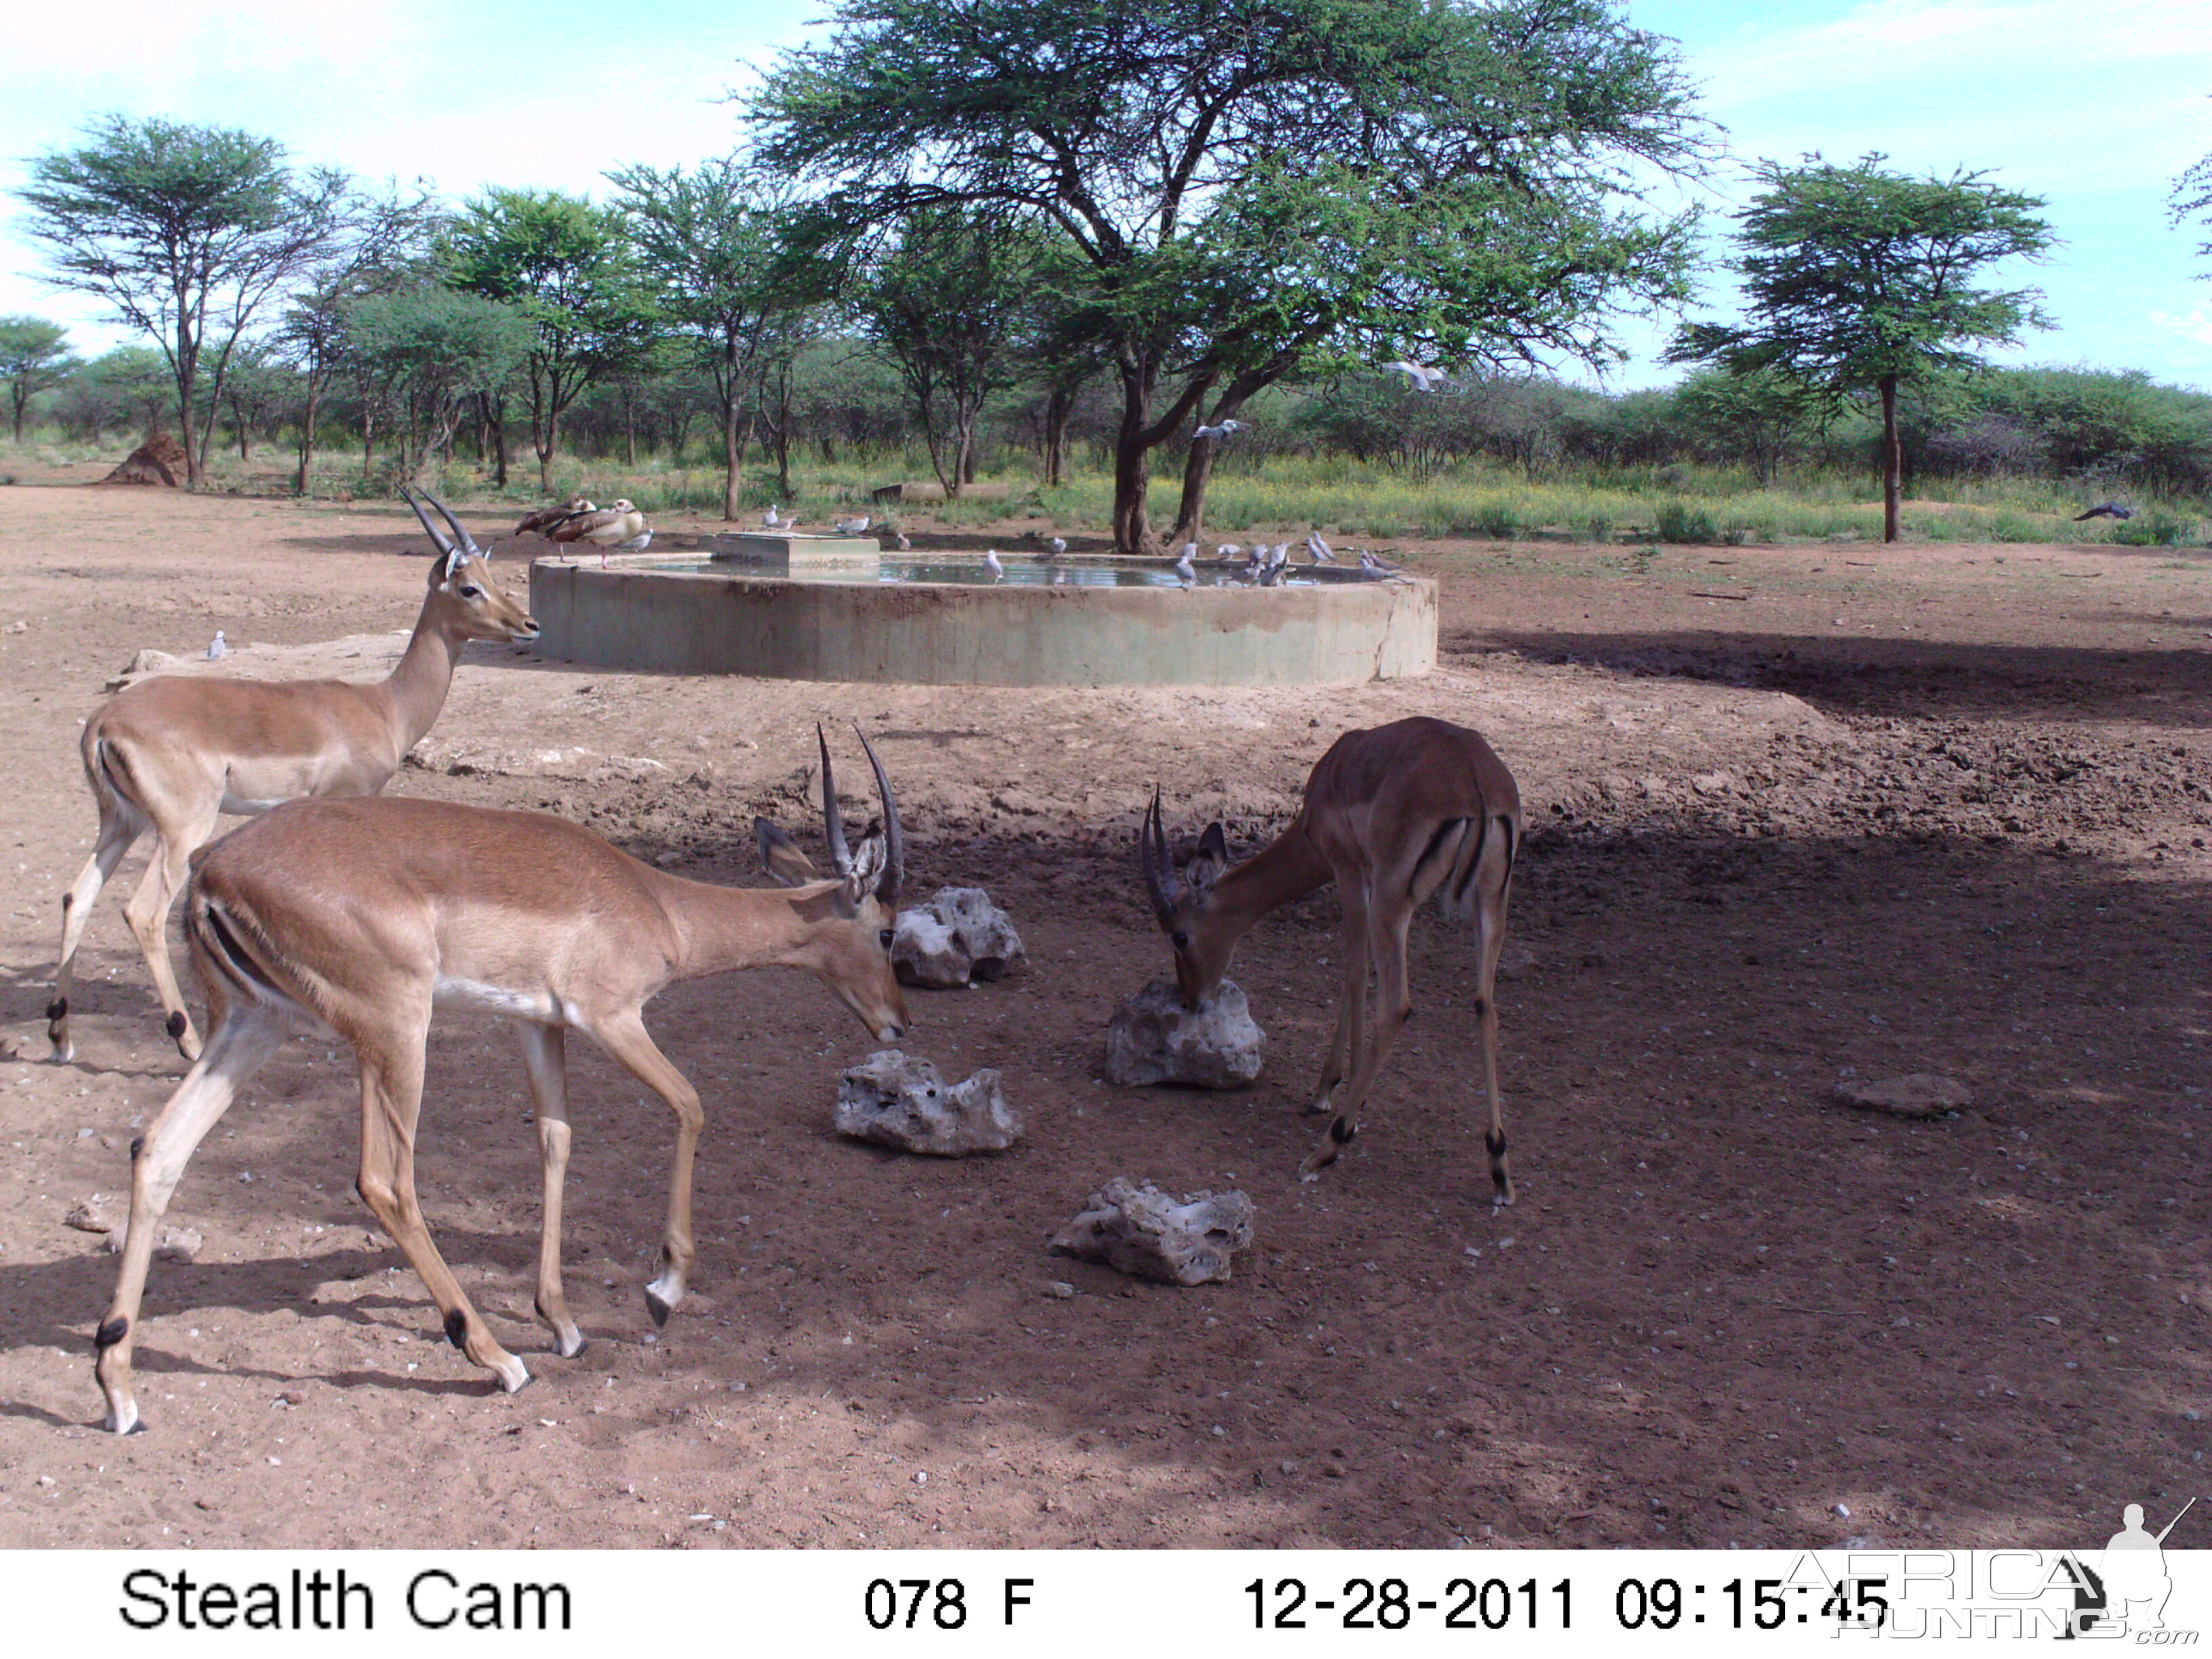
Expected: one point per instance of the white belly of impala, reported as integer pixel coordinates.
(448, 992)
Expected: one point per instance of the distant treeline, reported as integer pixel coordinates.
(2095, 430)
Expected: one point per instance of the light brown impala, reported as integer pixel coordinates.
(1391, 816)
(173, 755)
(360, 917)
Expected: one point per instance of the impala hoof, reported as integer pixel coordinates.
(514, 1381)
(569, 1344)
(657, 1307)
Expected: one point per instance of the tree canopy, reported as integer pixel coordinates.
(187, 231)
(1248, 183)
(569, 268)
(1858, 279)
(35, 355)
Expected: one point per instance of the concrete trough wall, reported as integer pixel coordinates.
(933, 633)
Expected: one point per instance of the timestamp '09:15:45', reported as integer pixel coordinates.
(1390, 1604)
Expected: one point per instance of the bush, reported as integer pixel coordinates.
(1678, 523)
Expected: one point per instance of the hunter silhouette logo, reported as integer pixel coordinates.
(2126, 1591)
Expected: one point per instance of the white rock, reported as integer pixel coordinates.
(1153, 1038)
(97, 1212)
(897, 1101)
(956, 937)
(1142, 1231)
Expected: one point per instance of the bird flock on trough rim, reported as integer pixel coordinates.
(338, 911)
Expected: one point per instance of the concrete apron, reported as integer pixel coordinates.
(946, 633)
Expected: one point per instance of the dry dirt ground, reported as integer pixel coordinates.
(1798, 815)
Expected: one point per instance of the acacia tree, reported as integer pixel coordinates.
(567, 266)
(1248, 183)
(715, 243)
(34, 355)
(1856, 279)
(424, 354)
(952, 304)
(1758, 414)
(187, 232)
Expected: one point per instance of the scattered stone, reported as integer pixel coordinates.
(170, 1244)
(958, 937)
(1153, 1038)
(1514, 961)
(1916, 1094)
(99, 1213)
(1059, 1288)
(1142, 1231)
(902, 1102)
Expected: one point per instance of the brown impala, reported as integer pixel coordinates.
(173, 755)
(360, 917)
(1391, 816)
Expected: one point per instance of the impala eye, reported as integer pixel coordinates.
(1181, 941)
(884, 938)
(471, 591)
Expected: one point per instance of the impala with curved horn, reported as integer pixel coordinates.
(173, 755)
(361, 917)
(1392, 816)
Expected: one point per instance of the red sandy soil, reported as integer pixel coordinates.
(1798, 815)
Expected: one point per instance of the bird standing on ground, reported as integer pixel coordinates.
(216, 649)
(609, 527)
(1318, 548)
(904, 545)
(854, 527)
(544, 520)
(774, 519)
(1184, 566)
(1051, 552)
(2106, 510)
(991, 564)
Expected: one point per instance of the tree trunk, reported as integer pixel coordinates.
(308, 438)
(630, 430)
(1892, 460)
(499, 440)
(731, 456)
(1056, 408)
(1132, 534)
(18, 392)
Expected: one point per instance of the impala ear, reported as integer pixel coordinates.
(781, 855)
(1209, 861)
(869, 859)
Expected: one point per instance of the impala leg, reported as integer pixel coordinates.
(148, 913)
(545, 1056)
(1393, 1005)
(625, 1038)
(391, 1105)
(117, 832)
(244, 1039)
(1350, 1014)
(1492, 877)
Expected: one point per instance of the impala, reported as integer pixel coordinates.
(1391, 816)
(173, 755)
(360, 917)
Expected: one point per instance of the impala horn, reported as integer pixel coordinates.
(437, 537)
(887, 887)
(468, 542)
(840, 854)
(1159, 869)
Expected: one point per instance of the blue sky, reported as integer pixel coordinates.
(2094, 107)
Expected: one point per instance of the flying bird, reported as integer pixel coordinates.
(2106, 510)
(1225, 429)
(1424, 377)
(216, 648)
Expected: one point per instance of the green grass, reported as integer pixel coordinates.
(1285, 496)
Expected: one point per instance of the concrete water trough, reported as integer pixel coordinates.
(800, 611)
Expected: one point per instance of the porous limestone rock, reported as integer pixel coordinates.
(902, 1102)
(958, 937)
(1153, 1038)
(1142, 1231)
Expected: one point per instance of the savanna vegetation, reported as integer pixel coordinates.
(1320, 265)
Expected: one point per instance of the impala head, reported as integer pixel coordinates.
(462, 575)
(852, 952)
(1180, 901)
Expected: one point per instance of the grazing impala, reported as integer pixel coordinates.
(359, 917)
(173, 755)
(1391, 816)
